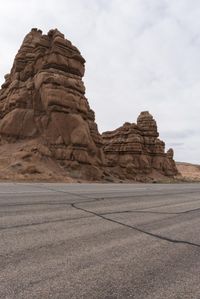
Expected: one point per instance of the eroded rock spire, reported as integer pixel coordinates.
(44, 114)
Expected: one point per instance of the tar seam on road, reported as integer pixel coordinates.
(43, 222)
(111, 197)
(102, 214)
(90, 200)
(49, 203)
(151, 212)
(136, 228)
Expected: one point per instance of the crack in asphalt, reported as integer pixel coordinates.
(120, 196)
(89, 200)
(157, 236)
(164, 194)
(100, 214)
(138, 211)
(43, 222)
(150, 212)
(50, 203)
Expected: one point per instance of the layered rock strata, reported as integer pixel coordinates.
(134, 149)
(43, 98)
(47, 128)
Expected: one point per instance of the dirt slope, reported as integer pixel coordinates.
(190, 172)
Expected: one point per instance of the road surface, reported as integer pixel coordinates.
(99, 241)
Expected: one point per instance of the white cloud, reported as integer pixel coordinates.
(140, 55)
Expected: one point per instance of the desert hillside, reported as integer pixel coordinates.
(189, 171)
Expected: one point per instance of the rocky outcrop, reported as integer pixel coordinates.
(43, 98)
(47, 126)
(134, 150)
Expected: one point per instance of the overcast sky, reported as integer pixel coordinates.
(140, 55)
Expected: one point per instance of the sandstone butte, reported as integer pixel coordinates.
(48, 131)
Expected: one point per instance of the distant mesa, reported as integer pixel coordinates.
(44, 114)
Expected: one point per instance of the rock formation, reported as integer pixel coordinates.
(46, 121)
(134, 150)
(43, 99)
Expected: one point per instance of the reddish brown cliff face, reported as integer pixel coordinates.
(43, 99)
(45, 118)
(134, 150)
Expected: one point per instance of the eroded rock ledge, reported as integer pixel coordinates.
(46, 121)
(135, 150)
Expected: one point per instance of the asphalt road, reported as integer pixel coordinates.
(99, 241)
